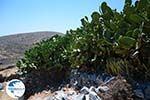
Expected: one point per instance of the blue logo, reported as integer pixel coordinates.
(15, 88)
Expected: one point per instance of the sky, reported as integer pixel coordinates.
(21, 16)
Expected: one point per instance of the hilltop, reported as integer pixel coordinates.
(12, 47)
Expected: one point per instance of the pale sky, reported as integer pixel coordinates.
(19, 16)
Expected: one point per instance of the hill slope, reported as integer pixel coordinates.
(12, 47)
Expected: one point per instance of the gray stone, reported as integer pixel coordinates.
(92, 77)
(147, 92)
(99, 80)
(81, 79)
(139, 93)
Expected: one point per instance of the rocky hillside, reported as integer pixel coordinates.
(12, 47)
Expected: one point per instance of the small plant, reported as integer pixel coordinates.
(117, 66)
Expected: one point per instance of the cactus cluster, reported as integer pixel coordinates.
(109, 34)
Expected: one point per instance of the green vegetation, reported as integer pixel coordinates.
(123, 36)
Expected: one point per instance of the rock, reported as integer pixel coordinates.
(87, 97)
(84, 90)
(104, 79)
(92, 96)
(75, 83)
(139, 93)
(60, 95)
(147, 92)
(86, 79)
(108, 79)
(91, 77)
(78, 97)
(80, 79)
(92, 88)
(142, 90)
(99, 80)
(71, 92)
(102, 89)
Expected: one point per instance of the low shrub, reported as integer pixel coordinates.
(48, 54)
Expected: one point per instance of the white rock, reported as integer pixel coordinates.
(84, 90)
(92, 88)
(108, 80)
(102, 89)
(60, 95)
(92, 96)
(78, 97)
(71, 92)
(87, 97)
